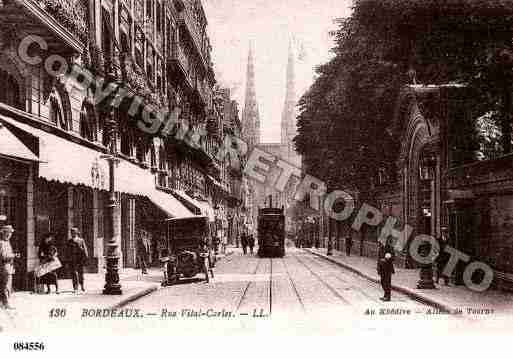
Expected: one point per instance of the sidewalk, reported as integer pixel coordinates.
(31, 308)
(446, 298)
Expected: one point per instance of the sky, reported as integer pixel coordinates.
(270, 25)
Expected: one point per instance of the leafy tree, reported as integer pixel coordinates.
(385, 44)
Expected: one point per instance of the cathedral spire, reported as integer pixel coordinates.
(288, 119)
(250, 116)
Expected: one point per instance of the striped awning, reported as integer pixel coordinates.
(12, 147)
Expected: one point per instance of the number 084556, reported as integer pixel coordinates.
(28, 346)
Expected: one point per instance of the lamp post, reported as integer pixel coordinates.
(112, 285)
(427, 174)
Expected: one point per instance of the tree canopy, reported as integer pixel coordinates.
(384, 45)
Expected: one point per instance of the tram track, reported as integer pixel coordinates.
(245, 292)
(326, 284)
(293, 285)
(321, 264)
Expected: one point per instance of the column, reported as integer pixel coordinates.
(69, 211)
(32, 259)
(97, 245)
(97, 14)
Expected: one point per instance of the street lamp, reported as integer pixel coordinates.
(427, 175)
(112, 285)
(330, 239)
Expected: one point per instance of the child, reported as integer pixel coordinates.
(164, 259)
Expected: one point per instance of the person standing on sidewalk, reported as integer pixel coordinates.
(244, 243)
(6, 265)
(251, 243)
(143, 251)
(443, 257)
(349, 244)
(385, 270)
(47, 254)
(76, 258)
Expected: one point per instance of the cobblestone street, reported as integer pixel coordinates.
(298, 294)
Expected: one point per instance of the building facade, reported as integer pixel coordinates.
(91, 78)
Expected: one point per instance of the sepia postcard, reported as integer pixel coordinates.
(189, 168)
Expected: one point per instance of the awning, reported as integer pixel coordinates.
(167, 203)
(12, 147)
(133, 179)
(207, 210)
(203, 206)
(68, 162)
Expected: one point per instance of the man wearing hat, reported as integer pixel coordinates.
(76, 257)
(6, 265)
(385, 270)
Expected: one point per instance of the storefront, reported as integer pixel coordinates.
(70, 189)
(17, 163)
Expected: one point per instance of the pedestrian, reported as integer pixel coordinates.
(216, 243)
(48, 257)
(442, 258)
(76, 258)
(349, 244)
(251, 243)
(6, 265)
(224, 243)
(143, 251)
(244, 243)
(385, 270)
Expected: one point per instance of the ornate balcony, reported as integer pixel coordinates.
(134, 76)
(70, 13)
(179, 63)
(188, 24)
(57, 21)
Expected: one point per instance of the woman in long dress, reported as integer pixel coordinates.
(47, 253)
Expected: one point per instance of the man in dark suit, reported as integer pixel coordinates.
(244, 243)
(385, 270)
(349, 244)
(143, 251)
(251, 243)
(76, 257)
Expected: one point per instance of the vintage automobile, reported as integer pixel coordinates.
(189, 247)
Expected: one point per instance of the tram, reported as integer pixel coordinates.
(271, 232)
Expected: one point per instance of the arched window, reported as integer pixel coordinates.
(162, 158)
(57, 116)
(153, 157)
(127, 142)
(88, 123)
(11, 91)
(141, 149)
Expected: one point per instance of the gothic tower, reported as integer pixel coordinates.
(289, 114)
(250, 115)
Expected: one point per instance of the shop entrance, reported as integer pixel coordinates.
(13, 200)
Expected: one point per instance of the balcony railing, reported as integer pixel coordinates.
(60, 22)
(192, 29)
(179, 59)
(72, 14)
(203, 92)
